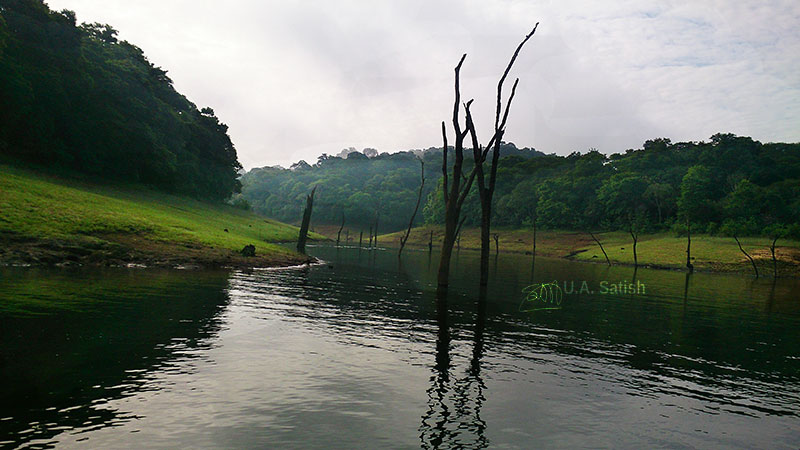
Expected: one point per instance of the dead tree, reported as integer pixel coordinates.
(377, 218)
(774, 260)
(689, 264)
(301, 240)
(339, 233)
(457, 187)
(534, 237)
(752, 261)
(454, 191)
(601, 247)
(635, 237)
(486, 190)
(404, 238)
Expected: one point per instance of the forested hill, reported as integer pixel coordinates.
(75, 98)
(730, 184)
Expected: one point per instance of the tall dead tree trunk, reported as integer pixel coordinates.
(404, 238)
(534, 237)
(486, 190)
(774, 260)
(689, 264)
(377, 219)
(301, 240)
(454, 191)
(635, 241)
(601, 247)
(339, 233)
(752, 261)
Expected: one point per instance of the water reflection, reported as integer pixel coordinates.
(74, 341)
(360, 352)
(453, 417)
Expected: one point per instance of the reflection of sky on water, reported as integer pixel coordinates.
(353, 352)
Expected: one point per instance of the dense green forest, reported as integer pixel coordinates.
(728, 185)
(74, 98)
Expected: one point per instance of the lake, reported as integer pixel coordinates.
(359, 353)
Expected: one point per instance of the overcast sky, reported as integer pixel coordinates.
(297, 79)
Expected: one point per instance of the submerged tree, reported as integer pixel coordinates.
(693, 202)
(455, 193)
(404, 238)
(301, 240)
(486, 188)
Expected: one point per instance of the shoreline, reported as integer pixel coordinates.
(150, 254)
(661, 251)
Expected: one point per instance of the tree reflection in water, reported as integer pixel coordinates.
(453, 418)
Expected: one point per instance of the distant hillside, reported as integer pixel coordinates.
(728, 185)
(365, 189)
(75, 98)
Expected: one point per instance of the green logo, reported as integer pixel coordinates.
(541, 296)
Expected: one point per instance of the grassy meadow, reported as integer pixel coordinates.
(664, 250)
(45, 219)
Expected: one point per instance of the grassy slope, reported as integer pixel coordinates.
(659, 250)
(47, 218)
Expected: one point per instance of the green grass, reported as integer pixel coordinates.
(36, 208)
(713, 253)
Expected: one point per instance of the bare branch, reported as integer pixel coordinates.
(505, 74)
(508, 105)
(457, 102)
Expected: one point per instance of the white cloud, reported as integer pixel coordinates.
(295, 79)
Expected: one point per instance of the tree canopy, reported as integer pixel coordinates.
(729, 183)
(76, 98)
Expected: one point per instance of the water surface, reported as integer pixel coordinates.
(358, 352)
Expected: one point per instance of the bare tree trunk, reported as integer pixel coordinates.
(339, 233)
(360, 239)
(454, 193)
(774, 260)
(430, 242)
(752, 261)
(635, 241)
(601, 247)
(689, 264)
(377, 219)
(301, 240)
(487, 191)
(458, 242)
(534, 237)
(404, 238)
(496, 244)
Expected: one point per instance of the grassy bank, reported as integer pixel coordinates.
(45, 220)
(663, 250)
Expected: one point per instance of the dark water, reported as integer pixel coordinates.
(358, 353)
